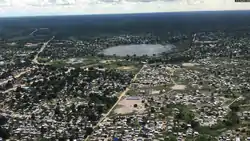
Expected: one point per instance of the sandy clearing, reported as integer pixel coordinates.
(125, 68)
(189, 64)
(126, 106)
(107, 61)
(179, 87)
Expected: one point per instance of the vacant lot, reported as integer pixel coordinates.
(126, 106)
(179, 87)
(126, 68)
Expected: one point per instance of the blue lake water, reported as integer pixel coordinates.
(138, 50)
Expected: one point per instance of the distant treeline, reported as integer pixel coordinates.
(157, 23)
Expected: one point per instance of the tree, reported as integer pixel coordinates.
(100, 109)
(234, 107)
(170, 138)
(134, 56)
(135, 105)
(127, 57)
(33, 117)
(233, 117)
(162, 108)
(180, 116)
(204, 138)
(3, 120)
(189, 116)
(19, 89)
(194, 124)
(89, 130)
(42, 139)
(57, 110)
(212, 97)
(228, 123)
(152, 109)
(128, 121)
(9, 85)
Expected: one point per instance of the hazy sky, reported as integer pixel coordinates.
(81, 7)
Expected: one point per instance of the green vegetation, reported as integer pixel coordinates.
(231, 122)
(163, 87)
(184, 113)
(131, 92)
(90, 60)
(213, 131)
(170, 138)
(42, 60)
(206, 133)
(166, 87)
(204, 138)
(135, 67)
(58, 63)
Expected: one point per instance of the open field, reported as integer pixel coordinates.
(126, 106)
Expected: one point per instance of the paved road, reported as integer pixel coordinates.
(33, 32)
(41, 50)
(119, 99)
(239, 98)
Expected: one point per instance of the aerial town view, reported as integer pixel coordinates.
(135, 79)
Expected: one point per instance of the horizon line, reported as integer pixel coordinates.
(116, 14)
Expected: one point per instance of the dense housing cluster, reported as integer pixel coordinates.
(61, 103)
(198, 91)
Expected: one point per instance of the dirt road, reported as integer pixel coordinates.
(41, 50)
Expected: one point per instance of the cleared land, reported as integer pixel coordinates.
(179, 87)
(126, 106)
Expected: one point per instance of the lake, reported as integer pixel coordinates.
(138, 50)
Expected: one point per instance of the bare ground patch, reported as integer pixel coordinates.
(126, 106)
(189, 64)
(179, 87)
(126, 68)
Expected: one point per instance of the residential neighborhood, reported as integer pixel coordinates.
(178, 86)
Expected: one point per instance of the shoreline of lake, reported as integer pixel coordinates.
(138, 50)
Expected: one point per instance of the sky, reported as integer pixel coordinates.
(21, 8)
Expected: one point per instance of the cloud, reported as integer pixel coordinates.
(81, 7)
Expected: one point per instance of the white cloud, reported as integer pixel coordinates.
(81, 7)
